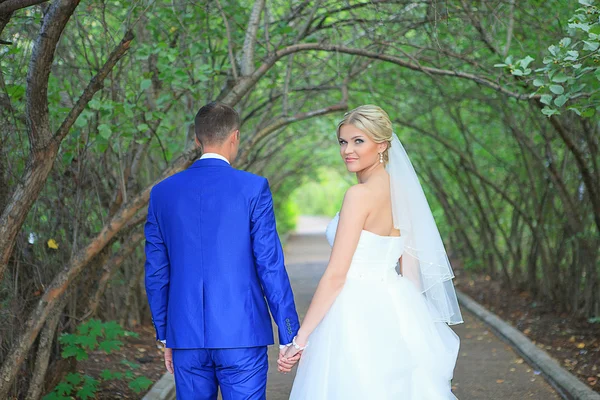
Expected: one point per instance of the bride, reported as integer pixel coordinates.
(371, 333)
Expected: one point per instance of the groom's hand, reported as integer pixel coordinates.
(285, 363)
(169, 359)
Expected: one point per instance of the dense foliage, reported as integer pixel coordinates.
(97, 102)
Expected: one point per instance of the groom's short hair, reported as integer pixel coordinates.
(214, 122)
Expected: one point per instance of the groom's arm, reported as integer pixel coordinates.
(268, 256)
(157, 273)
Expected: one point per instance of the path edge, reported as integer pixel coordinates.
(566, 384)
(163, 389)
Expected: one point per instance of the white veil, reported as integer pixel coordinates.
(424, 260)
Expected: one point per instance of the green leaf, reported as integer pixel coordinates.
(110, 345)
(54, 396)
(590, 112)
(500, 65)
(517, 72)
(550, 111)
(565, 42)
(560, 100)
(575, 110)
(560, 77)
(553, 50)
(95, 104)
(70, 351)
(538, 82)
(595, 29)
(15, 92)
(81, 355)
(67, 339)
(146, 83)
(140, 383)
(95, 327)
(88, 342)
(508, 60)
(63, 388)
(88, 390)
(591, 46)
(143, 127)
(74, 379)
(525, 62)
(546, 99)
(104, 131)
(113, 330)
(583, 27)
(107, 374)
(588, 3)
(81, 121)
(557, 89)
(597, 73)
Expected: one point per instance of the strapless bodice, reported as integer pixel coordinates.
(375, 255)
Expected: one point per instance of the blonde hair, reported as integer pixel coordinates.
(374, 122)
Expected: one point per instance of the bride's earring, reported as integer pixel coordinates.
(381, 158)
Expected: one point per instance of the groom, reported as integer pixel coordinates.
(212, 258)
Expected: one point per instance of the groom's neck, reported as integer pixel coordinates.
(217, 150)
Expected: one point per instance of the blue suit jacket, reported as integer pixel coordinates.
(212, 257)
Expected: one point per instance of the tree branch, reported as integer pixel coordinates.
(13, 5)
(511, 24)
(42, 55)
(229, 42)
(250, 40)
(110, 267)
(284, 120)
(94, 86)
(247, 82)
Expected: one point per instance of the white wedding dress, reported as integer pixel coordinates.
(378, 340)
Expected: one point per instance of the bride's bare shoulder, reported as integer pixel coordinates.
(359, 195)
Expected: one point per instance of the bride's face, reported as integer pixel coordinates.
(357, 149)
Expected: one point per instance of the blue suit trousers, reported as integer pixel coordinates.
(240, 373)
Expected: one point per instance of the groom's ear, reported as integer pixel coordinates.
(235, 136)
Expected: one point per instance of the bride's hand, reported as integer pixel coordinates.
(291, 352)
(299, 344)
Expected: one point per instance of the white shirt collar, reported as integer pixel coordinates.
(214, 155)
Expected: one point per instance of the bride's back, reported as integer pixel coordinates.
(379, 220)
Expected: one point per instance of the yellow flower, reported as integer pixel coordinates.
(52, 244)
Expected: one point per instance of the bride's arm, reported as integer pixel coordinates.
(409, 268)
(352, 219)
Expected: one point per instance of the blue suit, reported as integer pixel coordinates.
(212, 258)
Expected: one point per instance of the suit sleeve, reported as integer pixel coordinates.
(268, 256)
(157, 273)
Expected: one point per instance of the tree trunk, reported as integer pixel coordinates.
(43, 145)
(36, 384)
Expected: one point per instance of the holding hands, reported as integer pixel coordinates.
(289, 355)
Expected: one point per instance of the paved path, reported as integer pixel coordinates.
(487, 368)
